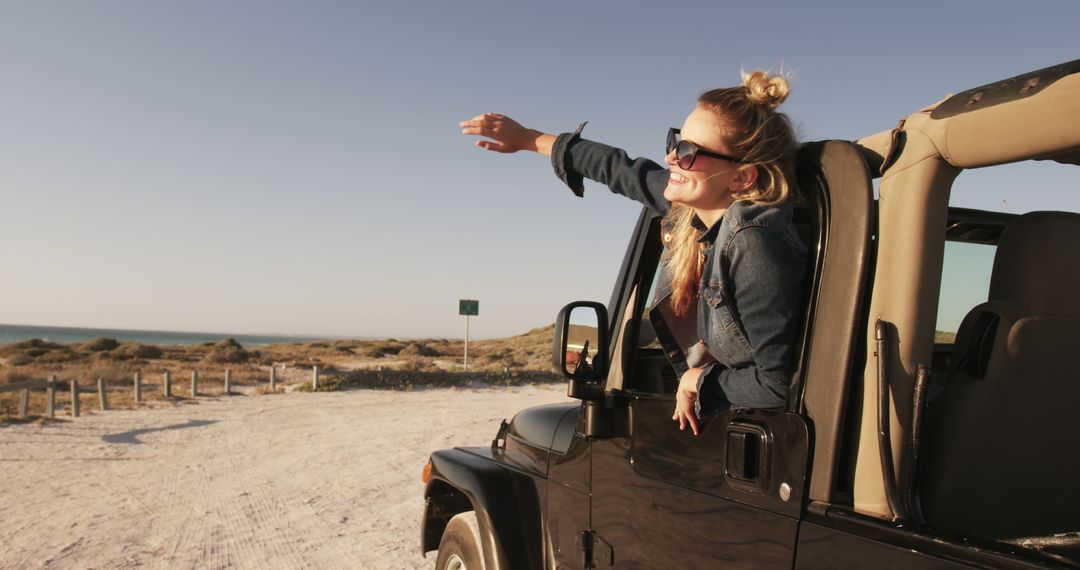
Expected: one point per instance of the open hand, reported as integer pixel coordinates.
(506, 134)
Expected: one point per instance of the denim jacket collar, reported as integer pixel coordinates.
(708, 233)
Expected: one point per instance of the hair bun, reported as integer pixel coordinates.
(765, 89)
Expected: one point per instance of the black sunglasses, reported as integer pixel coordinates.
(686, 151)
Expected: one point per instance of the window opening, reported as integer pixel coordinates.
(965, 283)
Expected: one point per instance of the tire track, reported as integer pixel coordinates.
(194, 528)
(47, 547)
(281, 515)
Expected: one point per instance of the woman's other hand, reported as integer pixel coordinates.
(506, 134)
(685, 398)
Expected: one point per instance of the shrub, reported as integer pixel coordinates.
(382, 348)
(372, 352)
(60, 355)
(11, 377)
(498, 354)
(34, 343)
(418, 349)
(128, 351)
(101, 344)
(228, 351)
(36, 349)
(19, 358)
(392, 348)
(146, 351)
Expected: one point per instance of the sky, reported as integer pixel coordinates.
(296, 167)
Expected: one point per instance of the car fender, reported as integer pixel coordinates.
(506, 502)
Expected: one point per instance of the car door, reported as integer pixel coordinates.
(730, 496)
(661, 497)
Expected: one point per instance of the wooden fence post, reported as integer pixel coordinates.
(103, 402)
(74, 398)
(167, 387)
(194, 383)
(228, 382)
(24, 402)
(273, 377)
(138, 387)
(50, 397)
(314, 377)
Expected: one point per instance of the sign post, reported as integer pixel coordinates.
(468, 307)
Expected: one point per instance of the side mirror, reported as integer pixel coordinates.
(580, 346)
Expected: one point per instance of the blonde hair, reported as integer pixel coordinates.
(765, 139)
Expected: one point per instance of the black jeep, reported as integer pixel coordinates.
(898, 444)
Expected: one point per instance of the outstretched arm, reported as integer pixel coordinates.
(573, 159)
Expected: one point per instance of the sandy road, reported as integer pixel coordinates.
(283, 481)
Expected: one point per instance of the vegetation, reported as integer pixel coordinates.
(136, 350)
(942, 337)
(227, 350)
(380, 349)
(36, 349)
(11, 376)
(383, 364)
(413, 379)
(101, 345)
(33, 347)
(18, 359)
(418, 349)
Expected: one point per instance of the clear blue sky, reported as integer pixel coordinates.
(296, 167)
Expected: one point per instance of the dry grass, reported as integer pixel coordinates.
(942, 337)
(383, 363)
(265, 390)
(409, 380)
(118, 397)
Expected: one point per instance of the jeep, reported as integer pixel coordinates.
(897, 444)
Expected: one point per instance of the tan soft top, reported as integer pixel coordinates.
(1031, 116)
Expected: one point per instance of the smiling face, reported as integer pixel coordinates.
(709, 184)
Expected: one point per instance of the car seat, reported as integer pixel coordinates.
(1001, 442)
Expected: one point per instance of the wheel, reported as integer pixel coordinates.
(460, 547)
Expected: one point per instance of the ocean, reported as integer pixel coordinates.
(16, 333)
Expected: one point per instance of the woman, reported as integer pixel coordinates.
(733, 261)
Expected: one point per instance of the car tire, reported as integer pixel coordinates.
(460, 547)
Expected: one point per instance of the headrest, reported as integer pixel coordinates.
(1037, 265)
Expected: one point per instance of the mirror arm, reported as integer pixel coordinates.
(585, 390)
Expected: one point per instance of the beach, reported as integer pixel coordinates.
(295, 480)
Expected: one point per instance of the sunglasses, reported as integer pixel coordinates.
(686, 152)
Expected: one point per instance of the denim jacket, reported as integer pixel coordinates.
(749, 304)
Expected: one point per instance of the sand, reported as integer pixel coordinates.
(300, 480)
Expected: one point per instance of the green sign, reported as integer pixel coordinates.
(468, 307)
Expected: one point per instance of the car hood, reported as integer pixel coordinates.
(536, 432)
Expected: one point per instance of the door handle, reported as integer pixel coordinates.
(747, 455)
